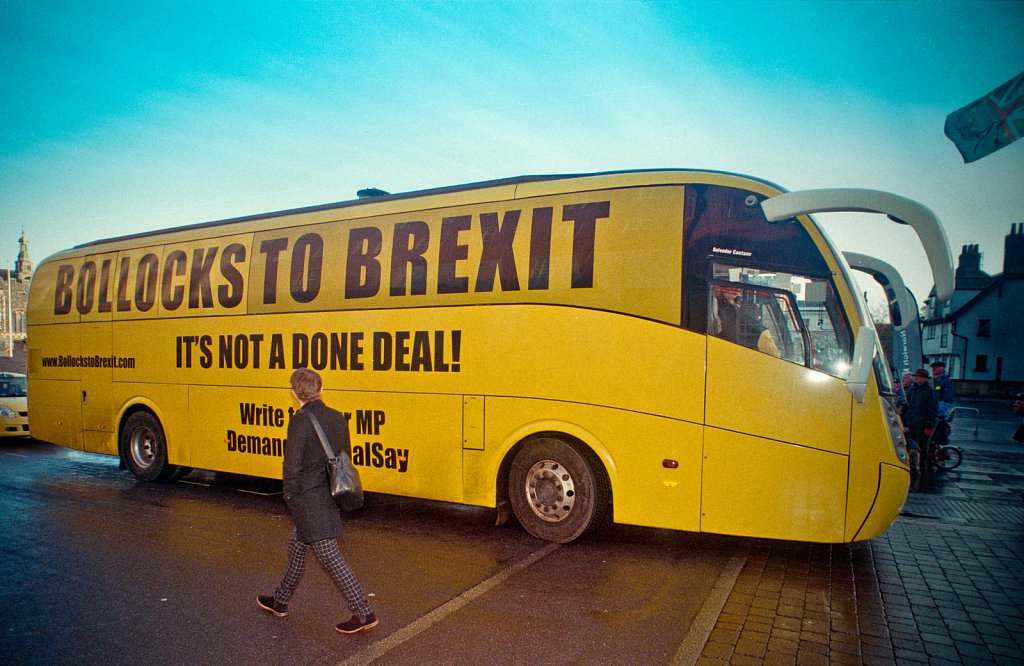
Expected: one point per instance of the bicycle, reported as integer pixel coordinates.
(944, 456)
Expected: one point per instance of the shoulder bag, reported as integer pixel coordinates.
(343, 478)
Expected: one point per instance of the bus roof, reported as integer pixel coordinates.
(514, 181)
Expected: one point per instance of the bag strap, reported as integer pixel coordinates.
(320, 434)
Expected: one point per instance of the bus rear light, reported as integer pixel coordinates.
(670, 464)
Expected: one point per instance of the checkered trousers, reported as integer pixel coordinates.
(329, 555)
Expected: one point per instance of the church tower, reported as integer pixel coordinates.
(23, 266)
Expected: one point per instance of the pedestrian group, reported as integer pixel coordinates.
(926, 405)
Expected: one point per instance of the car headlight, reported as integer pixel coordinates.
(7, 412)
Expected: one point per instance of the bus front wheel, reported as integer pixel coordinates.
(555, 491)
(144, 448)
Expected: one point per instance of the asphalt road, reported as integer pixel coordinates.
(100, 568)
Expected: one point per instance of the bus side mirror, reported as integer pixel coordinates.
(863, 357)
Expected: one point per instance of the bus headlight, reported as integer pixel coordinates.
(7, 412)
(899, 444)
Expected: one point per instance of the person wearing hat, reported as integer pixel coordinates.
(920, 414)
(943, 387)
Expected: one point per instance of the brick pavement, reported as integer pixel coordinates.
(944, 585)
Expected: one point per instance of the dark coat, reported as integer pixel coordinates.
(306, 492)
(922, 406)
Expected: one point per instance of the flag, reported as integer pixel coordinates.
(987, 124)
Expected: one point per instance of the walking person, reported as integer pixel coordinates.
(317, 518)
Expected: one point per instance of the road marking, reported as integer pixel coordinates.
(237, 490)
(697, 636)
(379, 649)
(256, 492)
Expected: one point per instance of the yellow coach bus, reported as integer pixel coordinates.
(676, 348)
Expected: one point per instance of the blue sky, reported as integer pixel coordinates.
(120, 117)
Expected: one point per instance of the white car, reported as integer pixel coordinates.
(13, 405)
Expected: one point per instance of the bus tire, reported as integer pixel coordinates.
(143, 448)
(555, 491)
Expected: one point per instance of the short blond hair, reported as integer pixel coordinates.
(307, 384)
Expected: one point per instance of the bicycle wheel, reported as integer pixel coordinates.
(948, 457)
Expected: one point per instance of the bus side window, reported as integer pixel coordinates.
(724, 313)
(758, 318)
(787, 335)
(735, 315)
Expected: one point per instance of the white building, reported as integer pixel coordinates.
(980, 334)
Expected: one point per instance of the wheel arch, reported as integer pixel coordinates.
(139, 404)
(587, 444)
(177, 456)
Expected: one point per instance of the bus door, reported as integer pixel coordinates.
(777, 434)
(98, 430)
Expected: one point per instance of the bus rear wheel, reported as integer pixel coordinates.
(555, 491)
(143, 449)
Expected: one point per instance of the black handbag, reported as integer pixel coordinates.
(343, 478)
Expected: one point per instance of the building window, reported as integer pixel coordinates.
(981, 363)
(984, 328)
(930, 333)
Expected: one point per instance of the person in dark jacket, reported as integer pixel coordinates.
(921, 411)
(943, 388)
(317, 517)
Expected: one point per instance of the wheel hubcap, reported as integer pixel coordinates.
(551, 491)
(141, 447)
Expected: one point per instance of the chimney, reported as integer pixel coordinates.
(969, 263)
(1013, 257)
(969, 276)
